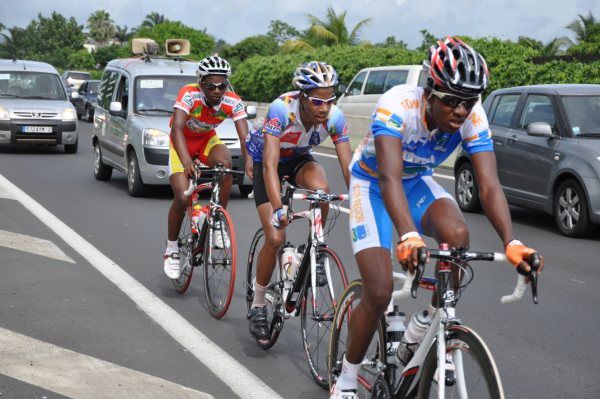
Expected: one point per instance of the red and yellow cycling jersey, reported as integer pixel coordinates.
(202, 118)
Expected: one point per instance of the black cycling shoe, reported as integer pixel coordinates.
(259, 326)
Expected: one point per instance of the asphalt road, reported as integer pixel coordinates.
(549, 350)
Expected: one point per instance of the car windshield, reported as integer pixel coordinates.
(157, 94)
(583, 113)
(93, 87)
(78, 75)
(37, 85)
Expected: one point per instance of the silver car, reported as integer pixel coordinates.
(547, 145)
(131, 121)
(34, 108)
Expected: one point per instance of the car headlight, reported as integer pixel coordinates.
(69, 115)
(156, 138)
(4, 115)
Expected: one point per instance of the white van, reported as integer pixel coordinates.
(361, 95)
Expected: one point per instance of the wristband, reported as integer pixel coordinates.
(408, 235)
(514, 241)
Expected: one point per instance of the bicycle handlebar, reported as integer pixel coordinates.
(411, 282)
(218, 170)
(318, 196)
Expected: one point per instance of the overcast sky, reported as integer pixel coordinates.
(234, 20)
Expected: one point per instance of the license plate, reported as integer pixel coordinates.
(37, 129)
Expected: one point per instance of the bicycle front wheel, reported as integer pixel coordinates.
(475, 374)
(318, 310)
(187, 253)
(371, 373)
(219, 262)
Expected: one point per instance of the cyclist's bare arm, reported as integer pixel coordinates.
(241, 126)
(390, 166)
(179, 119)
(344, 154)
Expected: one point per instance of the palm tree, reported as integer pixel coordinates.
(555, 47)
(332, 30)
(582, 27)
(152, 19)
(101, 27)
(121, 34)
(7, 39)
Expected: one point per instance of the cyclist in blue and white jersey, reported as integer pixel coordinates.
(414, 130)
(295, 122)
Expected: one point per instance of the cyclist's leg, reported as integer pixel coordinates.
(311, 175)
(215, 152)
(371, 232)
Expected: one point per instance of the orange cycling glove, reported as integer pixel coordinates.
(408, 242)
(516, 252)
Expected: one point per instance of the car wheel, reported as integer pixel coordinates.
(245, 189)
(71, 148)
(89, 114)
(571, 212)
(135, 186)
(466, 189)
(101, 171)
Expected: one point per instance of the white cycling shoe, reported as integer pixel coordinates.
(344, 394)
(220, 237)
(171, 265)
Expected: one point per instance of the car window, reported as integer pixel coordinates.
(395, 78)
(422, 79)
(505, 109)
(123, 93)
(538, 108)
(583, 113)
(375, 82)
(157, 94)
(31, 85)
(107, 88)
(92, 87)
(78, 75)
(356, 86)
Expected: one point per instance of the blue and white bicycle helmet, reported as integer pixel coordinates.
(214, 65)
(314, 74)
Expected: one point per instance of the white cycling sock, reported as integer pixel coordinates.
(348, 379)
(172, 246)
(259, 295)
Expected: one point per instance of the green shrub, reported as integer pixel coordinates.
(81, 59)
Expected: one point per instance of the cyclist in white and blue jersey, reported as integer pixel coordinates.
(413, 130)
(295, 122)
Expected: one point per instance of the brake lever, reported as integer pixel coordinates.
(533, 261)
(422, 255)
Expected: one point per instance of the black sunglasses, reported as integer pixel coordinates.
(214, 86)
(454, 101)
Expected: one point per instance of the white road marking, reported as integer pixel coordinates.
(241, 380)
(78, 376)
(577, 281)
(32, 245)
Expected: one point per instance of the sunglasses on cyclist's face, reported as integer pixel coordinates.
(320, 101)
(214, 86)
(454, 101)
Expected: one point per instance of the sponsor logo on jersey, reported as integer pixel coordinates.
(410, 104)
(187, 100)
(273, 124)
(291, 137)
(475, 119)
(356, 212)
(359, 232)
(228, 100)
(238, 108)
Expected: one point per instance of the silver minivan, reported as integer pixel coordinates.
(34, 108)
(131, 121)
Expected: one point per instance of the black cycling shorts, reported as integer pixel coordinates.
(289, 168)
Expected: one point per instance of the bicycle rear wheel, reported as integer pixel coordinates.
(370, 373)
(219, 262)
(187, 254)
(274, 303)
(317, 312)
(476, 374)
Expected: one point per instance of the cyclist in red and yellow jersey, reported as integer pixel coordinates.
(199, 109)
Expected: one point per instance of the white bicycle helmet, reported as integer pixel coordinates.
(314, 74)
(214, 65)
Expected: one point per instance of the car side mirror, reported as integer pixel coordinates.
(251, 111)
(116, 109)
(341, 89)
(74, 95)
(540, 129)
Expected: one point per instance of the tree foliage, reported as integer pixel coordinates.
(201, 43)
(81, 59)
(282, 31)
(250, 46)
(102, 27)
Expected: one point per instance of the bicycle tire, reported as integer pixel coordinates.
(273, 296)
(187, 242)
(219, 263)
(463, 340)
(376, 354)
(320, 328)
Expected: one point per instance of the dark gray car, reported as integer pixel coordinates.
(547, 145)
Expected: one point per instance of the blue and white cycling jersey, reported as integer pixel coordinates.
(400, 112)
(283, 121)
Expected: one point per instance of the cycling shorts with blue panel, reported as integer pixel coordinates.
(370, 223)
